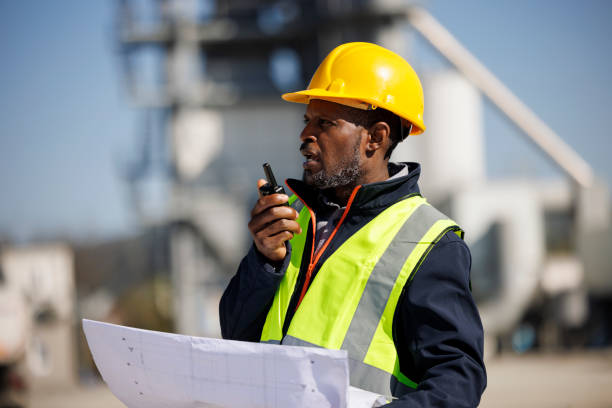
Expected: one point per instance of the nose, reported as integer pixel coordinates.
(308, 134)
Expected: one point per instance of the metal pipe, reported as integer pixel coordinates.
(523, 117)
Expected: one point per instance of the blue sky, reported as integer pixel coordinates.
(66, 122)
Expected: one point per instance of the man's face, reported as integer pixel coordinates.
(331, 145)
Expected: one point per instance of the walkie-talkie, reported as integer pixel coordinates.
(271, 187)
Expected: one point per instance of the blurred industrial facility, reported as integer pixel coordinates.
(207, 76)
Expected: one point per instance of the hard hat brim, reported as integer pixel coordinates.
(306, 95)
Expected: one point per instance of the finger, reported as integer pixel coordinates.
(268, 201)
(272, 214)
(276, 241)
(279, 226)
(260, 183)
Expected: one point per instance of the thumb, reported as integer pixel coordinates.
(260, 183)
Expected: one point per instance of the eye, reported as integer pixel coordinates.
(306, 120)
(325, 122)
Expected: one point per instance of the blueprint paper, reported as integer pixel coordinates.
(359, 398)
(148, 369)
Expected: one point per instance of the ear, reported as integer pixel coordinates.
(378, 138)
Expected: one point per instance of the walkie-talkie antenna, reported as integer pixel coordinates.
(270, 187)
(269, 174)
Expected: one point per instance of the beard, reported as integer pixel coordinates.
(345, 173)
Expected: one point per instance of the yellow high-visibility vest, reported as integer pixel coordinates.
(351, 303)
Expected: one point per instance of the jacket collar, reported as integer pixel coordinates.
(371, 196)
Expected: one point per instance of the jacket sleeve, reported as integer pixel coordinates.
(246, 300)
(439, 335)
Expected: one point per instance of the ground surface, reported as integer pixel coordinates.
(572, 380)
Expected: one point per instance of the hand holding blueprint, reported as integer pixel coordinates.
(147, 369)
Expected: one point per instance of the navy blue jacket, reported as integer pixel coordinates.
(437, 328)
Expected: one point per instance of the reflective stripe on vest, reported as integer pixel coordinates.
(351, 302)
(362, 373)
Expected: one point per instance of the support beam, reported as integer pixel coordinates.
(523, 117)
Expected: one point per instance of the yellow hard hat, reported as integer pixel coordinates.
(367, 76)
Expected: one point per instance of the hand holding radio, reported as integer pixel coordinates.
(272, 222)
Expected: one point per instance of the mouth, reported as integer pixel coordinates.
(311, 161)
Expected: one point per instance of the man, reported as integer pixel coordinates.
(359, 260)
